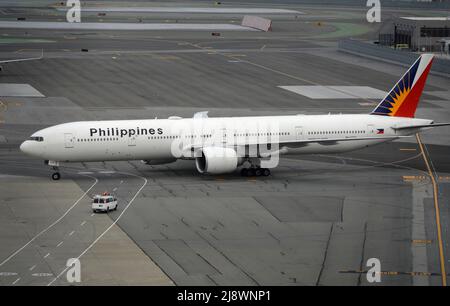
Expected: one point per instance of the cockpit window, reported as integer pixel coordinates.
(37, 138)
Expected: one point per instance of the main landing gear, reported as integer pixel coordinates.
(249, 172)
(254, 168)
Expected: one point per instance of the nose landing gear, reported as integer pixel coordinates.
(56, 176)
(55, 166)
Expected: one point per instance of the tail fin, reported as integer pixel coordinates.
(404, 97)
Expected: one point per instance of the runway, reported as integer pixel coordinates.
(315, 221)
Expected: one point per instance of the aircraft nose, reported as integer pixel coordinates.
(25, 147)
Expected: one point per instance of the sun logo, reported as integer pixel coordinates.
(398, 99)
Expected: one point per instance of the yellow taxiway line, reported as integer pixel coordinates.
(437, 211)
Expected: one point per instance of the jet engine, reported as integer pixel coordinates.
(216, 160)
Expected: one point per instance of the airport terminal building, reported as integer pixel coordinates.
(430, 34)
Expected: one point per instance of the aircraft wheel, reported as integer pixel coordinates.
(265, 172)
(56, 176)
(250, 172)
(244, 172)
(258, 172)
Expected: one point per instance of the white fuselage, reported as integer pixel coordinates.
(154, 139)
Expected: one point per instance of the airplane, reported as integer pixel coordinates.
(223, 144)
(21, 60)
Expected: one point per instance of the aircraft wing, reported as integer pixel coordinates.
(188, 150)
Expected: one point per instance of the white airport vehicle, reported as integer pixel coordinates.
(221, 145)
(104, 202)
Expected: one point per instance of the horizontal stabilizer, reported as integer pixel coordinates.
(420, 126)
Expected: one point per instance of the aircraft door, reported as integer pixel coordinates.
(132, 141)
(298, 132)
(221, 136)
(69, 140)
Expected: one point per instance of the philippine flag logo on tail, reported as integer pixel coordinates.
(404, 97)
(380, 131)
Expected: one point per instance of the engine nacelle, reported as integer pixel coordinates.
(216, 160)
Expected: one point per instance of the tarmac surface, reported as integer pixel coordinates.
(315, 221)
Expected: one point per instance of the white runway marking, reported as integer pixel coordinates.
(368, 104)
(71, 233)
(50, 226)
(42, 274)
(19, 90)
(113, 224)
(47, 255)
(32, 268)
(336, 92)
(115, 188)
(59, 244)
(106, 172)
(121, 26)
(93, 214)
(83, 223)
(209, 10)
(8, 273)
(86, 172)
(15, 282)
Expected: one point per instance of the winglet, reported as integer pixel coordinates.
(404, 97)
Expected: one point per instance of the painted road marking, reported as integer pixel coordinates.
(71, 233)
(336, 92)
(32, 268)
(393, 273)
(437, 212)
(47, 255)
(107, 172)
(408, 149)
(59, 244)
(105, 231)
(368, 104)
(115, 188)
(85, 172)
(422, 241)
(42, 274)
(8, 273)
(15, 282)
(93, 214)
(83, 223)
(50, 226)
(410, 178)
